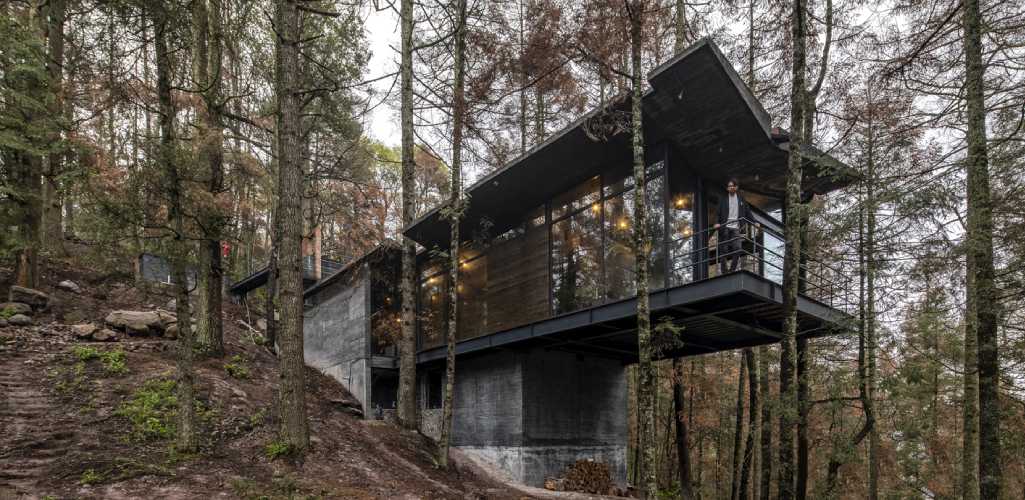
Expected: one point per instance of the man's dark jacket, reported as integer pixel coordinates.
(743, 212)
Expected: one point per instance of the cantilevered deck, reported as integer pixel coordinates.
(739, 309)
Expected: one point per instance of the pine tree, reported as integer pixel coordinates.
(292, 384)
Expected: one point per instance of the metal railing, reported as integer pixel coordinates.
(818, 280)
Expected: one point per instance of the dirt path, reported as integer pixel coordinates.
(33, 431)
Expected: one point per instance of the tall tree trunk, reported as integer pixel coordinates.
(682, 441)
(26, 169)
(738, 430)
(765, 437)
(870, 315)
(980, 251)
(523, 81)
(53, 235)
(270, 337)
(970, 446)
(754, 408)
(679, 388)
(788, 355)
(407, 344)
(803, 407)
(680, 26)
(641, 243)
(207, 44)
(292, 384)
(455, 209)
(539, 114)
(187, 432)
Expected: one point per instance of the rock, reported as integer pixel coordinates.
(69, 286)
(105, 335)
(85, 330)
(75, 316)
(13, 308)
(171, 305)
(20, 320)
(171, 332)
(261, 324)
(135, 322)
(34, 298)
(166, 318)
(3, 322)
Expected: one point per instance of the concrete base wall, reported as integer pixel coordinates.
(531, 465)
(530, 414)
(336, 333)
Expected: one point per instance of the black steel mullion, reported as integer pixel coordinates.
(603, 292)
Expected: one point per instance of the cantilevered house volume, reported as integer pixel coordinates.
(547, 301)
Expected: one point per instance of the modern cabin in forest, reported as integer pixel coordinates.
(547, 306)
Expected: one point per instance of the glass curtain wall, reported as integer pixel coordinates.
(576, 258)
(683, 242)
(620, 274)
(574, 253)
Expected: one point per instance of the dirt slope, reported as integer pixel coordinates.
(67, 430)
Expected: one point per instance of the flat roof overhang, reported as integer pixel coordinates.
(697, 105)
(728, 312)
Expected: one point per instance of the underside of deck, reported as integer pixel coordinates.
(737, 310)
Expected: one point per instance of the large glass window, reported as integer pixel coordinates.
(433, 317)
(772, 266)
(472, 290)
(620, 278)
(620, 264)
(681, 236)
(656, 205)
(585, 195)
(576, 260)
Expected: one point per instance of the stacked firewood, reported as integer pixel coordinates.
(585, 476)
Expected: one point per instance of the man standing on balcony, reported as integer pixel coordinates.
(734, 215)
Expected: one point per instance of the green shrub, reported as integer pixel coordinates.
(114, 362)
(90, 476)
(277, 449)
(70, 381)
(85, 353)
(257, 419)
(237, 367)
(151, 410)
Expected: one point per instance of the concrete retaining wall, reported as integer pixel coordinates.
(336, 334)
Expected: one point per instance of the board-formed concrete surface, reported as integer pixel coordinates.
(532, 413)
(336, 334)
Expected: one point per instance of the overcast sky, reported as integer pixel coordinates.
(382, 30)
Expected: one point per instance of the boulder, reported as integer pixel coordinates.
(105, 335)
(34, 298)
(166, 318)
(15, 308)
(3, 322)
(69, 286)
(85, 330)
(20, 320)
(135, 322)
(261, 324)
(171, 332)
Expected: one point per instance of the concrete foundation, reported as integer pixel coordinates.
(532, 413)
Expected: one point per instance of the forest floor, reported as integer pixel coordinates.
(76, 423)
